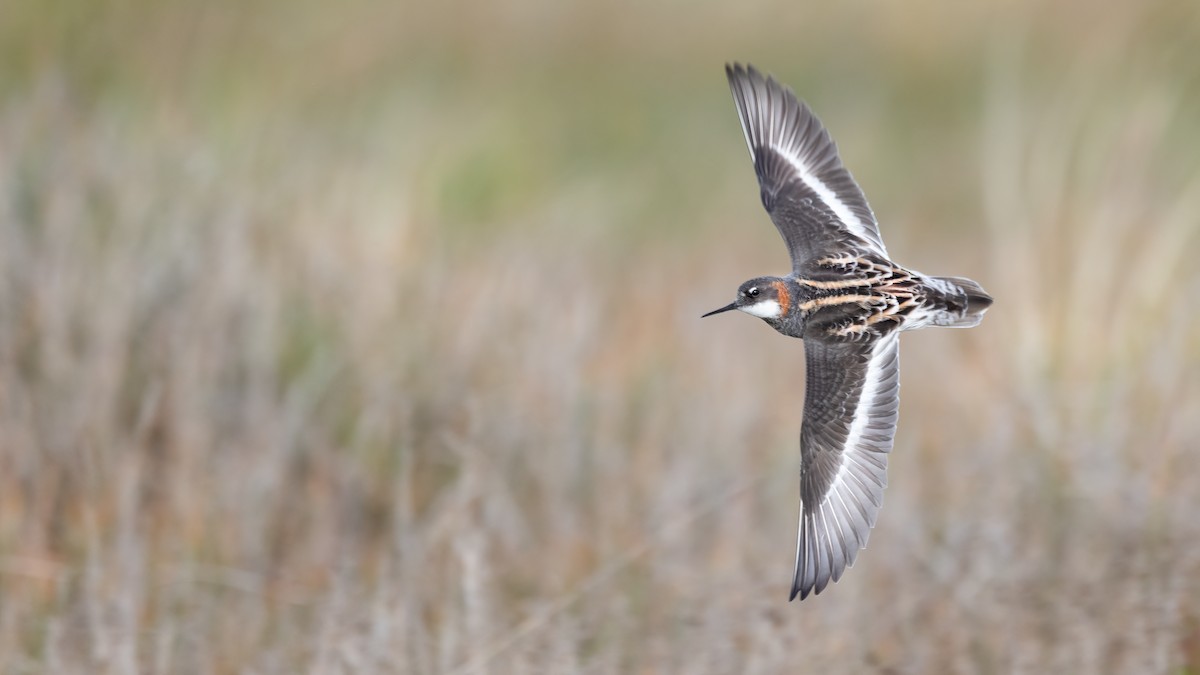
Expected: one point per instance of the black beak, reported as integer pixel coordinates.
(726, 308)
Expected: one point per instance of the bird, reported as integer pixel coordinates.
(848, 302)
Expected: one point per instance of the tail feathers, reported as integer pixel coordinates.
(973, 306)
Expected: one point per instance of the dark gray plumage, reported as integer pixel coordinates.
(778, 127)
(852, 395)
(849, 303)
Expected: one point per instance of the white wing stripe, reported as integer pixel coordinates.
(839, 208)
(858, 426)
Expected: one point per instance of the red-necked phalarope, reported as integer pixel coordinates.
(849, 303)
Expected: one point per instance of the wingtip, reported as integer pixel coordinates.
(800, 590)
(754, 78)
(734, 71)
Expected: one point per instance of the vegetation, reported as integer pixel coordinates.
(366, 339)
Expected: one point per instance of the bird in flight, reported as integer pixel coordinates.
(849, 303)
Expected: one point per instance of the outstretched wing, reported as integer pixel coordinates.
(811, 197)
(850, 406)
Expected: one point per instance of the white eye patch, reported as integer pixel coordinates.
(766, 309)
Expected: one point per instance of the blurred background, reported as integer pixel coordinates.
(364, 337)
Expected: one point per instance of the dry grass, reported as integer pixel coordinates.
(318, 356)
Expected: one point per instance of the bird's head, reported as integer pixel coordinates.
(765, 297)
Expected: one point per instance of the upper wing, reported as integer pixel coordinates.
(812, 199)
(850, 406)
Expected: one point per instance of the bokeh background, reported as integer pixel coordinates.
(364, 337)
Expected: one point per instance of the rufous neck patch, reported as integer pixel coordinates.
(785, 297)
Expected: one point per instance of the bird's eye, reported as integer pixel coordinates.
(753, 292)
